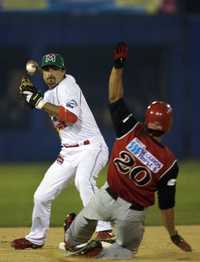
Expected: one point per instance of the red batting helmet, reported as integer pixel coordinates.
(158, 116)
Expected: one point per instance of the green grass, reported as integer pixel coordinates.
(19, 181)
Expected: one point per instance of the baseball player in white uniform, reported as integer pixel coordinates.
(83, 153)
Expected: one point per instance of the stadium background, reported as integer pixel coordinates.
(164, 63)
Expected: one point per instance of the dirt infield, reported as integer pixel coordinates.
(155, 247)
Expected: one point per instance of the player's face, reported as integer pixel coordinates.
(52, 75)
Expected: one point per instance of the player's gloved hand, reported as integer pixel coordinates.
(30, 94)
(120, 55)
(181, 243)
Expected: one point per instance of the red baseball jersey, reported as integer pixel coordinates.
(138, 163)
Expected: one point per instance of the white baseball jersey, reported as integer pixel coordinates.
(69, 95)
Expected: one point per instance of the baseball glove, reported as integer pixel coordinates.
(181, 243)
(26, 85)
(29, 93)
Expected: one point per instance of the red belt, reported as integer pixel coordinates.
(86, 142)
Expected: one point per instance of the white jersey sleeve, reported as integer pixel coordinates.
(69, 95)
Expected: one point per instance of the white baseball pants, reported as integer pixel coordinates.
(83, 163)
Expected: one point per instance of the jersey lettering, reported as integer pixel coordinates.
(126, 165)
(141, 175)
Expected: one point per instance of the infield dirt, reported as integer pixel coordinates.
(155, 247)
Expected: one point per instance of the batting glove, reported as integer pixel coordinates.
(181, 243)
(120, 55)
(30, 94)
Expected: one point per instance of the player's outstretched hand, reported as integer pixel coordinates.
(181, 243)
(120, 54)
(29, 93)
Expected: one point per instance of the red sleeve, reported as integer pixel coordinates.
(66, 116)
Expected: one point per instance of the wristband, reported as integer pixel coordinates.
(40, 104)
(119, 63)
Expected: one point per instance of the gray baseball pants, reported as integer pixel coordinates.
(129, 225)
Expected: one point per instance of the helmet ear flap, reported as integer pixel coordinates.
(158, 117)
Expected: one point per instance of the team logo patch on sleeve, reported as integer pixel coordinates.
(138, 149)
(71, 104)
(171, 182)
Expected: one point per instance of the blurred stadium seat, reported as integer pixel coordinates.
(93, 6)
(164, 63)
(23, 4)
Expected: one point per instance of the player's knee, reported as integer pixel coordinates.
(40, 198)
(83, 183)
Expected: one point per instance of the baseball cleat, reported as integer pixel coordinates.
(106, 236)
(89, 249)
(23, 243)
(68, 220)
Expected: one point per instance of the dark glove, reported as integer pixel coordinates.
(181, 243)
(29, 93)
(120, 55)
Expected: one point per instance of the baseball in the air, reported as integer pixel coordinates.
(61, 246)
(31, 67)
